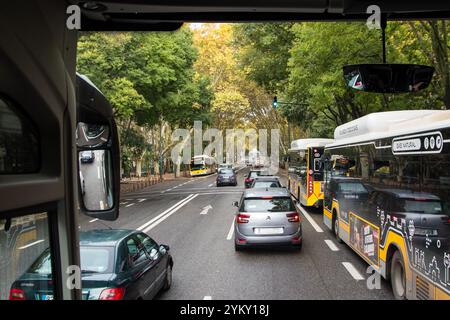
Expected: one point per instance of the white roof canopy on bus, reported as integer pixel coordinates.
(303, 144)
(389, 124)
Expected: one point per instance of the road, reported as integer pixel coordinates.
(206, 265)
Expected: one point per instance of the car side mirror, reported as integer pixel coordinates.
(163, 249)
(97, 144)
(236, 204)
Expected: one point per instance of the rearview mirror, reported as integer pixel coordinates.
(388, 78)
(98, 153)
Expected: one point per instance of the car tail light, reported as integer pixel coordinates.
(293, 217)
(112, 294)
(248, 179)
(242, 218)
(16, 294)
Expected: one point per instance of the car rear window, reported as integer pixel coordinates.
(226, 171)
(267, 184)
(279, 204)
(253, 174)
(96, 259)
(349, 187)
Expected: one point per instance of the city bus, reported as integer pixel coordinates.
(387, 196)
(305, 173)
(202, 165)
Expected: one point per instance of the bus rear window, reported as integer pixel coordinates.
(268, 205)
(352, 188)
(421, 206)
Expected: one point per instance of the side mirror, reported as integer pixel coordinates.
(98, 153)
(388, 78)
(236, 203)
(162, 249)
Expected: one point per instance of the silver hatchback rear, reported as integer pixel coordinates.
(267, 217)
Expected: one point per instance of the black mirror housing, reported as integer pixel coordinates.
(95, 110)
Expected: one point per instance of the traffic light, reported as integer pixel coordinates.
(275, 102)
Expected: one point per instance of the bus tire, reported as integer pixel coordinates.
(398, 276)
(336, 227)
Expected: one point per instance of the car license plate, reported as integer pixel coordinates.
(268, 231)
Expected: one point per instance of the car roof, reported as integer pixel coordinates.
(266, 192)
(104, 237)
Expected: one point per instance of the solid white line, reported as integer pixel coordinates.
(331, 245)
(30, 244)
(142, 200)
(352, 270)
(207, 298)
(310, 219)
(163, 213)
(150, 227)
(93, 220)
(129, 205)
(230, 233)
(210, 185)
(123, 202)
(98, 172)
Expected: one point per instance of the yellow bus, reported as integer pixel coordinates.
(387, 196)
(202, 165)
(305, 172)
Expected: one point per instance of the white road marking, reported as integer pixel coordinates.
(352, 270)
(331, 245)
(207, 298)
(310, 219)
(175, 187)
(163, 213)
(168, 214)
(142, 200)
(206, 209)
(31, 244)
(98, 172)
(210, 185)
(129, 205)
(123, 202)
(93, 220)
(230, 233)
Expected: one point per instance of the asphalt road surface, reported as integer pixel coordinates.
(194, 217)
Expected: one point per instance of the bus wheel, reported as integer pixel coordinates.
(398, 276)
(336, 228)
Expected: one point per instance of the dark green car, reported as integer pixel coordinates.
(115, 265)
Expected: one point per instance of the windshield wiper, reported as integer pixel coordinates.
(89, 271)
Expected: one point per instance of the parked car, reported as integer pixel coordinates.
(226, 177)
(252, 174)
(267, 217)
(115, 265)
(87, 157)
(266, 182)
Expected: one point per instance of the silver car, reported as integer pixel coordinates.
(267, 216)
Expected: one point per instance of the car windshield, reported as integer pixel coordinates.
(267, 184)
(282, 204)
(421, 206)
(96, 259)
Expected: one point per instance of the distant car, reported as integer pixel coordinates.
(115, 265)
(252, 174)
(87, 156)
(226, 177)
(266, 182)
(225, 166)
(267, 217)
